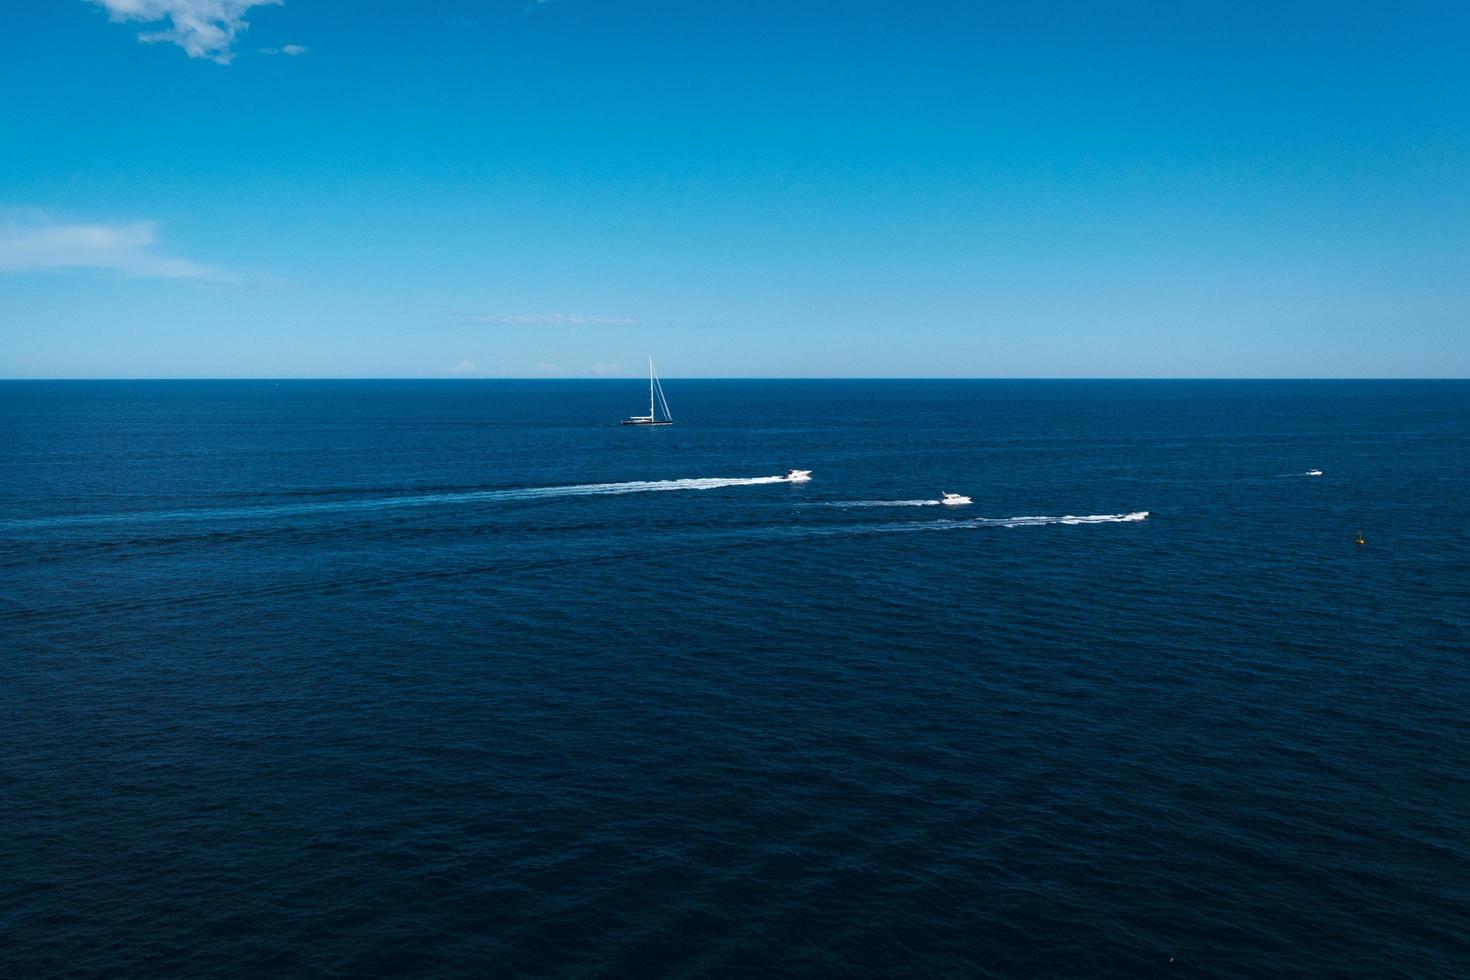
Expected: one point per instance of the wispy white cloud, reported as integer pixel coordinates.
(546, 369)
(547, 319)
(203, 28)
(467, 368)
(35, 243)
(290, 50)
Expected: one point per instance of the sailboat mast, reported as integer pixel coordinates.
(650, 387)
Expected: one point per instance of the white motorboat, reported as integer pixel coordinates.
(1314, 472)
(654, 385)
(797, 476)
(954, 499)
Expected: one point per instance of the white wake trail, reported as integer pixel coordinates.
(873, 503)
(1138, 515)
(639, 486)
(404, 501)
(982, 522)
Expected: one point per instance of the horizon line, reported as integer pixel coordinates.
(634, 377)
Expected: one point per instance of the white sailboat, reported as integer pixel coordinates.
(654, 385)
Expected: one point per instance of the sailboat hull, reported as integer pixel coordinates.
(655, 396)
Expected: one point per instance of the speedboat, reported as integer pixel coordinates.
(954, 499)
(797, 476)
(1314, 472)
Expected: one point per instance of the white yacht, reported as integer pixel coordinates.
(954, 499)
(1314, 472)
(652, 417)
(797, 476)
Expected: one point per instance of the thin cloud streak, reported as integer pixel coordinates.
(545, 369)
(548, 319)
(38, 245)
(579, 320)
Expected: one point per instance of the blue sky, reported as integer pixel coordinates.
(219, 188)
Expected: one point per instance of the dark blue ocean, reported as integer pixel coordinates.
(447, 679)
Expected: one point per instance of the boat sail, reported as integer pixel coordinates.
(654, 386)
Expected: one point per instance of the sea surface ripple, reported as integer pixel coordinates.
(463, 678)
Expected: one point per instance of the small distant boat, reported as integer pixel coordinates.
(654, 385)
(1314, 472)
(797, 476)
(954, 499)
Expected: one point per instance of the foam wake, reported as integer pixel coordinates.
(873, 503)
(982, 522)
(359, 504)
(1137, 515)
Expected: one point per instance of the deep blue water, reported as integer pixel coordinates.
(330, 678)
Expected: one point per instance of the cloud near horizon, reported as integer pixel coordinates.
(38, 244)
(203, 28)
(547, 319)
(545, 369)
